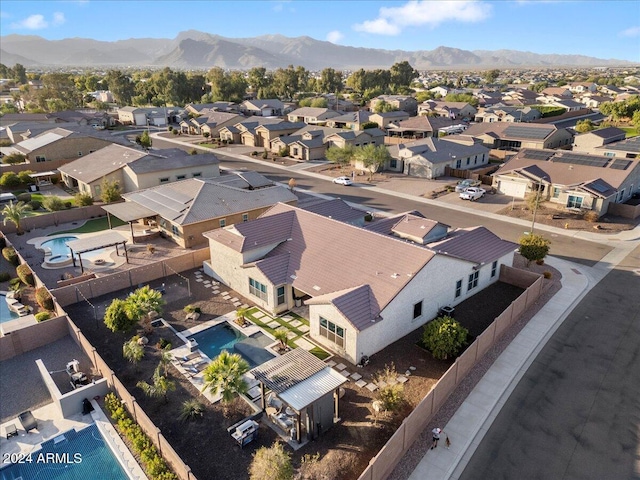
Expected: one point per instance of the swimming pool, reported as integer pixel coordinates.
(71, 456)
(6, 315)
(215, 339)
(60, 253)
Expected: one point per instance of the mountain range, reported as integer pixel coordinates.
(199, 50)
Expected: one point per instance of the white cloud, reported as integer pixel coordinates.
(58, 19)
(32, 22)
(630, 32)
(4, 14)
(279, 5)
(418, 13)
(334, 36)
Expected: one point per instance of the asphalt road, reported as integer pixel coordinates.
(568, 248)
(576, 412)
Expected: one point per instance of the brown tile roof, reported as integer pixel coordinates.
(475, 244)
(357, 304)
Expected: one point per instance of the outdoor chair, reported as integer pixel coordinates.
(195, 369)
(11, 431)
(187, 358)
(28, 421)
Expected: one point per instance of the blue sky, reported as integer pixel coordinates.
(604, 29)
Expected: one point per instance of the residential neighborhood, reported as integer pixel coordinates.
(319, 271)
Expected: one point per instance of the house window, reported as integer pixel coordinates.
(223, 222)
(621, 195)
(295, 151)
(164, 179)
(574, 201)
(556, 192)
(609, 154)
(180, 177)
(417, 310)
(393, 163)
(473, 281)
(40, 158)
(332, 332)
(197, 174)
(468, 161)
(280, 295)
(245, 217)
(458, 288)
(494, 268)
(257, 289)
(176, 231)
(458, 163)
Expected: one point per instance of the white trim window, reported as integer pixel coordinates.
(257, 289)
(332, 332)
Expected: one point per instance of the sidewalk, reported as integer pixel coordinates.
(633, 234)
(469, 424)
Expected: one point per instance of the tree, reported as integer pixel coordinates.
(330, 81)
(533, 247)
(402, 74)
(281, 335)
(241, 314)
(490, 76)
(444, 336)
(132, 350)
(319, 103)
(83, 199)
(392, 393)
(14, 158)
(14, 213)
(53, 203)
(341, 156)
(462, 97)
(191, 410)
(110, 191)
(372, 157)
(272, 463)
(9, 179)
(224, 376)
(19, 74)
(636, 119)
(583, 126)
(142, 302)
(367, 125)
(116, 318)
(159, 388)
(383, 106)
(145, 140)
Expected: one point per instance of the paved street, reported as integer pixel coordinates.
(575, 414)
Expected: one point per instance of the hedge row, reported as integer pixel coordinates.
(154, 465)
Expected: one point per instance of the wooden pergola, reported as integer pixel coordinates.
(90, 244)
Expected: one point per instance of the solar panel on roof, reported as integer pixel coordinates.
(537, 154)
(586, 160)
(527, 132)
(620, 164)
(599, 187)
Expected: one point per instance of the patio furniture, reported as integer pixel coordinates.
(195, 369)
(28, 421)
(11, 431)
(187, 358)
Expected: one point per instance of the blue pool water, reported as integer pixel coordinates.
(215, 339)
(73, 455)
(6, 315)
(58, 246)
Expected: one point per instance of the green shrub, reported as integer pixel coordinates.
(44, 299)
(42, 316)
(13, 158)
(444, 337)
(25, 274)
(533, 247)
(53, 203)
(10, 256)
(83, 199)
(191, 410)
(9, 179)
(4, 276)
(24, 197)
(163, 343)
(35, 205)
(15, 283)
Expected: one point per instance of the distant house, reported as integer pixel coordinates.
(442, 91)
(282, 258)
(575, 181)
(135, 169)
(453, 110)
(594, 101)
(510, 136)
(356, 138)
(627, 148)
(210, 122)
(244, 131)
(352, 120)
(561, 92)
(521, 95)
(303, 145)
(590, 141)
(143, 116)
(583, 87)
(385, 119)
(611, 90)
(184, 210)
(418, 127)
(569, 105)
(427, 158)
(508, 114)
(205, 108)
(267, 132)
(269, 107)
(405, 103)
(312, 115)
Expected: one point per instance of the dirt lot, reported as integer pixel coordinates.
(344, 451)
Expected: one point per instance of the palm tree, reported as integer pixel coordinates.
(241, 313)
(142, 302)
(159, 388)
(14, 213)
(224, 375)
(133, 351)
(281, 335)
(165, 361)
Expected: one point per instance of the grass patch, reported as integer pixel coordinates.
(630, 131)
(320, 353)
(93, 225)
(208, 145)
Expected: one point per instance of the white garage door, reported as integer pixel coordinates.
(513, 189)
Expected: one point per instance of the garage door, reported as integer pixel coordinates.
(513, 189)
(418, 170)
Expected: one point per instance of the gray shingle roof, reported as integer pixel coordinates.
(171, 159)
(476, 244)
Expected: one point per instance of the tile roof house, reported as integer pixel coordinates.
(405, 103)
(627, 148)
(510, 136)
(454, 110)
(419, 127)
(209, 122)
(143, 116)
(244, 131)
(351, 120)
(570, 180)
(186, 209)
(507, 114)
(428, 157)
(589, 141)
(287, 256)
(135, 169)
(387, 119)
(263, 107)
(312, 115)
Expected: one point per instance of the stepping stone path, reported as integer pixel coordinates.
(331, 363)
(345, 373)
(361, 383)
(382, 384)
(235, 299)
(402, 379)
(296, 323)
(273, 324)
(198, 279)
(372, 387)
(236, 304)
(302, 343)
(356, 376)
(341, 366)
(287, 318)
(258, 314)
(291, 334)
(304, 328)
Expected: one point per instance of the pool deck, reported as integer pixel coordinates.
(52, 424)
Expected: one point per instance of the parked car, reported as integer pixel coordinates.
(473, 193)
(343, 181)
(464, 184)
